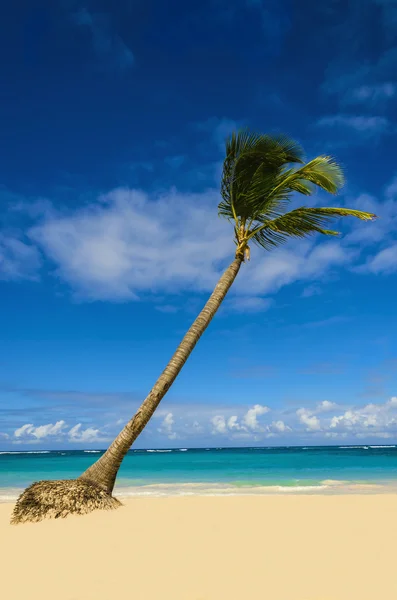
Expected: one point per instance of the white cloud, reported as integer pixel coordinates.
(28, 433)
(301, 261)
(384, 261)
(249, 423)
(76, 434)
(371, 419)
(24, 430)
(386, 210)
(348, 419)
(233, 423)
(250, 419)
(126, 243)
(44, 431)
(219, 424)
(40, 432)
(166, 427)
(307, 418)
(380, 232)
(280, 426)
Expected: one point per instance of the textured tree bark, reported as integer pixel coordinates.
(104, 471)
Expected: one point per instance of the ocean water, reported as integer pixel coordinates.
(215, 470)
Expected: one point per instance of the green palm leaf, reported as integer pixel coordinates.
(301, 222)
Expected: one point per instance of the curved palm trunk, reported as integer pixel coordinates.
(104, 471)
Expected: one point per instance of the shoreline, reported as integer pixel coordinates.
(326, 487)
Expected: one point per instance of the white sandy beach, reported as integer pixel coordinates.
(338, 547)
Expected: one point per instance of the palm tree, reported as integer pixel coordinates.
(261, 174)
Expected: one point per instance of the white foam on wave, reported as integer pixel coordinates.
(382, 446)
(182, 449)
(215, 489)
(92, 451)
(29, 452)
(158, 450)
(9, 494)
(353, 447)
(300, 488)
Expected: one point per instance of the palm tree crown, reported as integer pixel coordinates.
(260, 174)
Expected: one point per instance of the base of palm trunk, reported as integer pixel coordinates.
(55, 499)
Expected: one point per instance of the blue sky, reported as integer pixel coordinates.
(113, 123)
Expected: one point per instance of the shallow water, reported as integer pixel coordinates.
(186, 471)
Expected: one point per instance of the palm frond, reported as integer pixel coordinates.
(251, 157)
(323, 172)
(302, 222)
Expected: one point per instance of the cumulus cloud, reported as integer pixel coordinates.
(280, 426)
(307, 418)
(248, 424)
(250, 419)
(40, 432)
(219, 424)
(77, 434)
(166, 427)
(375, 417)
(29, 433)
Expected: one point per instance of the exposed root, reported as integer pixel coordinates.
(55, 499)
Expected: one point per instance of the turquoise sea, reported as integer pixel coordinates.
(215, 470)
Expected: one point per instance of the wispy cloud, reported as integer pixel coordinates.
(107, 45)
(368, 126)
(372, 95)
(384, 261)
(78, 435)
(18, 259)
